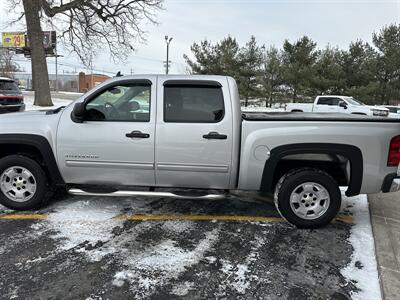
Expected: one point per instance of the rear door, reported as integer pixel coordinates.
(194, 133)
(327, 104)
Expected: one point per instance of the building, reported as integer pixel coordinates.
(66, 82)
(89, 81)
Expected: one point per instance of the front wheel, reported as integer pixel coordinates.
(307, 198)
(23, 183)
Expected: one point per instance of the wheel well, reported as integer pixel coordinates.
(335, 165)
(343, 162)
(25, 150)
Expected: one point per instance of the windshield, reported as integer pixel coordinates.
(8, 86)
(353, 101)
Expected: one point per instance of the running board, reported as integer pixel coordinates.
(79, 192)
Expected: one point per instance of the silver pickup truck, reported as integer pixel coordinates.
(151, 135)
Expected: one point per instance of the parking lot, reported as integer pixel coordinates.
(157, 248)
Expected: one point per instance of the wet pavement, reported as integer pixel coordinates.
(92, 248)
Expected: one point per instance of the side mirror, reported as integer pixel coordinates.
(78, 112)
(343, 104)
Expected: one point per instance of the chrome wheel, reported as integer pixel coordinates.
(18, 184)
(309, 200)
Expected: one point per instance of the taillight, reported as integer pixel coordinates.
(394, 152)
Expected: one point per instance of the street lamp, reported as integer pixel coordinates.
(168, 41)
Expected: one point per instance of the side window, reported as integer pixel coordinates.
(129, 103)
(324, 101)
(335, 101)
(193, 104)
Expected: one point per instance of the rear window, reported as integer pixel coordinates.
(8, 86)
(193, 104)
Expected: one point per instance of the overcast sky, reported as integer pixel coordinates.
(334, 22)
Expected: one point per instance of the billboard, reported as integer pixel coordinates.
(19, 42)
(13, 39)
(49, 40)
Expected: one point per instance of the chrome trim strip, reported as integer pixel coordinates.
(193, 168)
(109, 164)
(79, 192)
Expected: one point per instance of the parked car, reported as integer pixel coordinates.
(189, 132)
(338, 104)
(394, 111)
(11, 98)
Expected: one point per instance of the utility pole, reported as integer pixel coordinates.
(168, 41)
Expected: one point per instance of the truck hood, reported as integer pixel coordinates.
(375, 107)
(22, 115)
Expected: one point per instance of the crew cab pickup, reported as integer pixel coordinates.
(167, 135)
(338, 104)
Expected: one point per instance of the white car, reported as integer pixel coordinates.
(338, 104)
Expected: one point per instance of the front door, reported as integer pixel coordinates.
(115, 142)
(194, 134)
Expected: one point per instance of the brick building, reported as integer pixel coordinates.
(89, 81)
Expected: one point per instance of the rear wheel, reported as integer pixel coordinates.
(307, 198)
(23, 183)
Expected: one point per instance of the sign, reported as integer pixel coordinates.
(13, 39)
(49, 40)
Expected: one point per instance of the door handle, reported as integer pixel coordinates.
(215, 136)
(137, 134)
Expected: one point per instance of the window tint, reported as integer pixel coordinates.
(193, 104)
(120, 103)
(8, 86)
(328, 101)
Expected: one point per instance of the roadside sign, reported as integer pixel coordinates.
(13, 39)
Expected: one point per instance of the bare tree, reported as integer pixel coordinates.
(85, 27)
(7, 65)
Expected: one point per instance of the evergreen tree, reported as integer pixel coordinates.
(328, 73)
(250, 59)
(387, 41)
(271, 74)
(299, 59)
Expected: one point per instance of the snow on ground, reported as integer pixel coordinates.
(363, 266)
(254, 108)
(28, 100)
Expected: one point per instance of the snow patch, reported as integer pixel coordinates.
(363, 266)
(165, 261)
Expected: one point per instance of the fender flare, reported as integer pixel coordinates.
(352, 153)
(42, 145)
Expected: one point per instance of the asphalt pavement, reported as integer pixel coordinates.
(157, 248)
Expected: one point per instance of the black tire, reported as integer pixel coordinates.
(43, 189)
(288, 184)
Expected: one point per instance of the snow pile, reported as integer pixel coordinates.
(363, 266)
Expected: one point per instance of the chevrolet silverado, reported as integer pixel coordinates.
(166, 135)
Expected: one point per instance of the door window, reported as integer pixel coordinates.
(193, 104)
(129, 103)
(329, 101)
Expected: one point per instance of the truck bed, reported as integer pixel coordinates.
(321, 117)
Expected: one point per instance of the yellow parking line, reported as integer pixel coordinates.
(197, 218)
(343, 218)
(23, 217)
